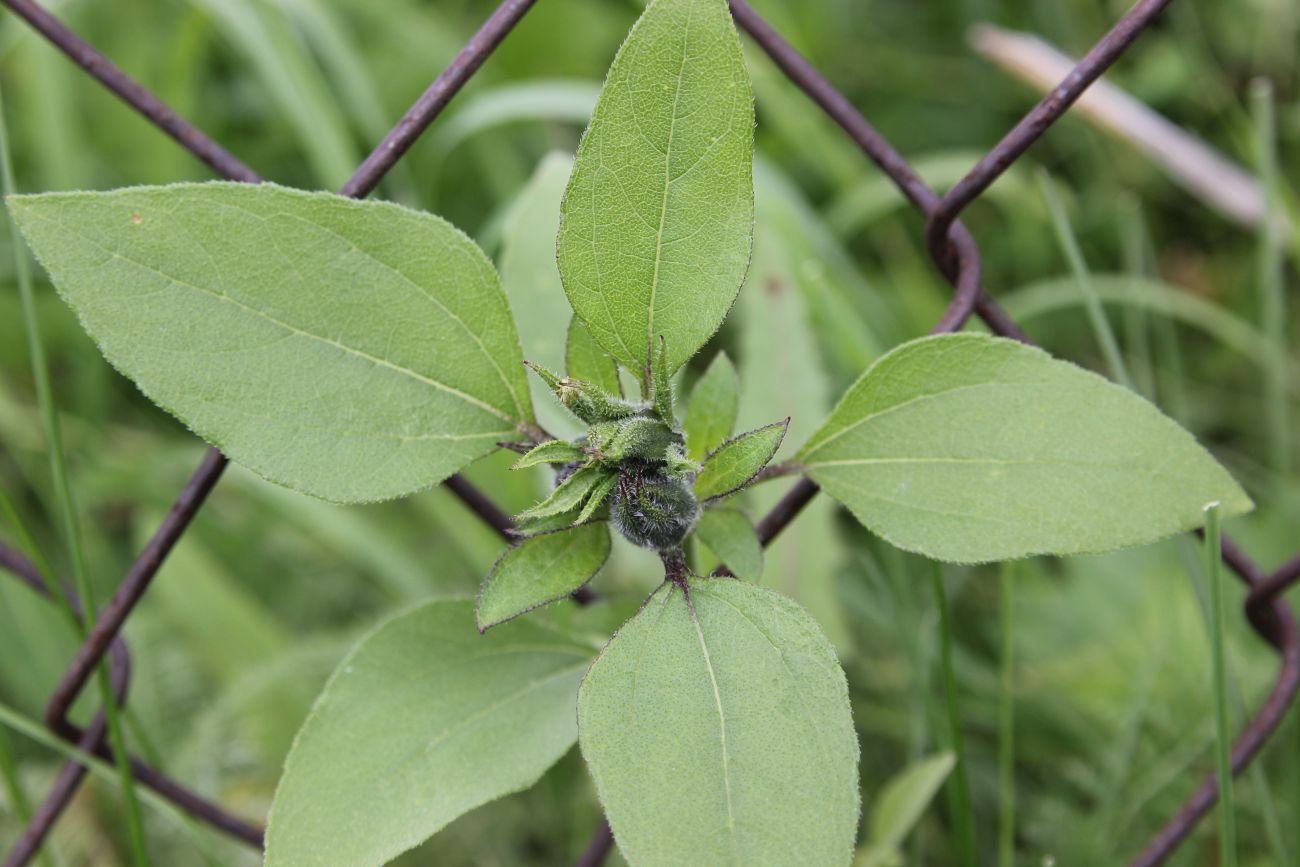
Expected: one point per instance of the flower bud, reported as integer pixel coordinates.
(653, 509)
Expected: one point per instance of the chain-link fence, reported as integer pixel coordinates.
(955, 253)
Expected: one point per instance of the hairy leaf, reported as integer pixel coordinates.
(586, 361)
(541, 569)
(569, 494)
(735, 463)
(711, 411)
(972, 448)
(551, 452)
(731, 537)
(717, 729)
(352, 350)
(658, 216)
(423, 721)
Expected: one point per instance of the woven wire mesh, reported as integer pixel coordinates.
(952, 247)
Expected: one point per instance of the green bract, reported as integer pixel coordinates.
(540, 570)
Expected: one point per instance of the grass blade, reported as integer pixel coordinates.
(68, 510)
(1096, 316)
(958, 786)
(1272, 298)
(1227, 808)
(1007, 721)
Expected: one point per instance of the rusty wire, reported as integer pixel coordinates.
(952, 247)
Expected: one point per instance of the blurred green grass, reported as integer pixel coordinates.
(1111, 686)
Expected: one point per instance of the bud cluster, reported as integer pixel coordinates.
(630, 467)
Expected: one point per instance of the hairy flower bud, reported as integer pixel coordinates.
(653, 509)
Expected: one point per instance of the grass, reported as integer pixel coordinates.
(958, 786)
(69, 518)
(1227, 807)
(1007, 718)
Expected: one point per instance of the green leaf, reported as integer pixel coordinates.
(657, 221)
(735, 463)
(353, 350)
(541, 569)
(711, 411)
(532, 281)
(551, 452)
(586, 361)
(779, 356)
(423, 721)
(731, 537)
(899, 807)
(717, 729)
(972, 448)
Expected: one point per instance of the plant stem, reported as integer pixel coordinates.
(1070, 246)
(68, 511)
(1007, 722)
(1214, 566)
(1272, 300)
(958, 786)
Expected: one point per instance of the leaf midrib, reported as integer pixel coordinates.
(381, 362)
(420, 290)
(722, 727)
(815, 447)
(451, 730)
(668, 183)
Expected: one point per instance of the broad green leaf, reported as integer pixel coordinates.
(353, 350)
(731, 537)
(657, 221)
(780, 359)
(717, 729)
(900, 806)
(541, 569)
(972, 448)
(735, 463)
(532, 282)
(423, 721)
(711, 411)
(585, 360)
